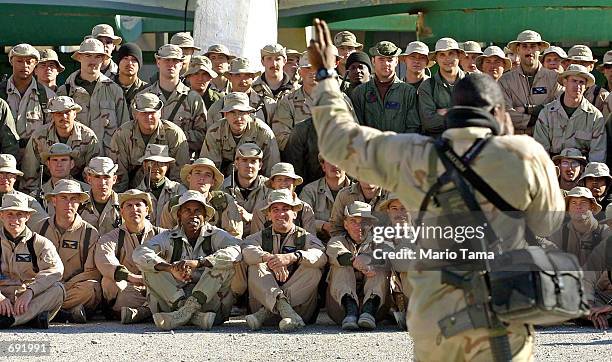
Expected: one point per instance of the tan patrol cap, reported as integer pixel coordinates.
(579, 71)
(607, 60)
(242, 66)
(106, 31)
(284, 169)
(192, 195)
(493, 51)
(219, 49)
(90, 46)
(581, 53)
(169, 51)
(249, 150)
(62, 104)
(8, 164)
(198, 63)
(443, 45)
(346, 38)
(49, 55)
(274, 49)
(471, 47)
(361, 209)
(283, 196)
(147, 102)
(419, 48)
(15, 202)
(58, 149)
(157, 153)
(571, 153)
(64, 186)
(580, 191)
(237, 101)
(528, 36)
(101, 166)
(385, 49)
(184, 40)
(134, 194)
(23, 50)
(596, 169)
(203, 162)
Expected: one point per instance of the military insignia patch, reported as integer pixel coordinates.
(538, 90)
(70, 244)
(23, 258)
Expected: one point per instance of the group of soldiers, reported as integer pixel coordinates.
(178, 200)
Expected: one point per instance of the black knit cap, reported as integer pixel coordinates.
(359, 57)
(130, 49)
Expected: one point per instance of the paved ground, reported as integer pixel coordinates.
(97, 341)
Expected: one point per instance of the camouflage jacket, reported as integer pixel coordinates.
(105, 221)
(264, 106)
(130, 92)
(603, 101)
(9, 139)
(27, 112)
(261, 87)
(190, 115)
(256, 198)
(170, 189)
(103, 111)
(128, 146)
(47, 188)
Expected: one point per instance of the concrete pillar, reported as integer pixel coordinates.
(244, 26)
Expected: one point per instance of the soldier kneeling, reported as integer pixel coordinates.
(188, 270)
(285, 266)
(352, 278)
(30, 269)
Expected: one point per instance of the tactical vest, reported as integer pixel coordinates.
(267, 240)
(121, 240)
(177, 247)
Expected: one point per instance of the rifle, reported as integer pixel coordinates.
(232, 181)
(40, 195)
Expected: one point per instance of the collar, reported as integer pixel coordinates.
(11, 88)
(76, 224)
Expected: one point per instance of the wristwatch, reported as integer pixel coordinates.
(298, 255)
(324, 73)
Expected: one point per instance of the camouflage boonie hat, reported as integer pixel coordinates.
(471, 47)
(419, 48)
(346, 38)
(106, 31)
(90, 46)
(528, 36)
(169, 51)
(203, 162)
(274, 49)
(493, 51)
(237, 101)
(134, 194)
(198, 63)
(249, 150)
(49, 55)
(192, 195)
(58, 149)
(157, 153)
(62, 104)
(219, 49)
(607, 60)
(580, 191)
(242, 66)
(16, 202)
(8, 164)
(101, 166)
(283, 196)
(596, 169)
(184, 40)
(581, 53)
(444, 45)
(361, 209)
(23, 50)
(304, 61)
(385, 49)
(554, 49)
(571, 153)
(579, 71)
(284, 169)
(147, 102)
(64, 186)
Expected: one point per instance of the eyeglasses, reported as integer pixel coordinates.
(572, 164)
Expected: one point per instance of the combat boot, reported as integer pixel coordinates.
(77, 315)
(177, 318)
(134, 315)
(291, 320)
(256, 320)
(367, 319)
(204, 320)
(351, 309)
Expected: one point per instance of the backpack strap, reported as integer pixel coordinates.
(300, 241)
(207, 245)
(120, 241)
(266, 240)
(44, 227)
(176, 107)
(85, 251)
(177, 250)
(68, 89)
(33, 257)
(42, 97)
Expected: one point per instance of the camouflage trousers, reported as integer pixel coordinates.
(343, 280)
(163, 291)
(48, 301)
(123, 293)
(300, 289)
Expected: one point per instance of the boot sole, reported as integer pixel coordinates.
(366, 321)
(350, 325)
(252, 323)
(160, 322)
(208, 320)
(289, 325)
